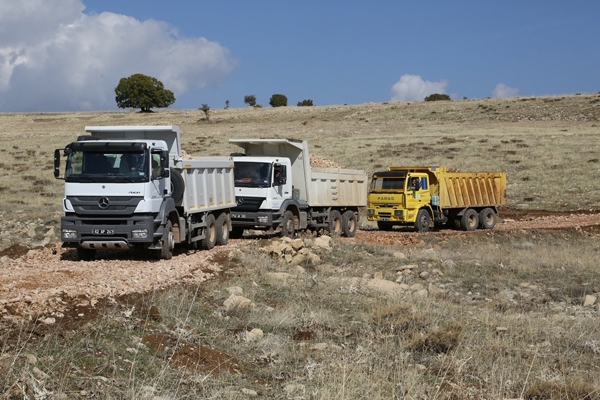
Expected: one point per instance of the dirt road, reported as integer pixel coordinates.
(49, 284)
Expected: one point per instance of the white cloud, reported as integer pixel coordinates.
(502, 90)
(53, 57)
(413, 87)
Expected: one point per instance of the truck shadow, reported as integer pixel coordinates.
(129, 254)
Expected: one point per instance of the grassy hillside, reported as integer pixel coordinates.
(548, 146)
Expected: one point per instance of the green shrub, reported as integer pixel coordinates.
(305, 103)
(437, 97)
(250, 100)
(278, 100)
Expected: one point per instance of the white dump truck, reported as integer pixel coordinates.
(129, 187)
(277, 189)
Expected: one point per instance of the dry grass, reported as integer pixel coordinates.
(507, 324)
(506, 321)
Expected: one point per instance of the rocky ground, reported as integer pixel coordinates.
(48, 283)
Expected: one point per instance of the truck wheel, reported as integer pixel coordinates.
(222, 230)
(168, 242)
(335, 223)
(177, 186)
(384, 226)
(210, 233)
(287, 225)
(487, 218)
(469, 220)
(86, 254)
(423, 221)
(349, 223)
(236, 233)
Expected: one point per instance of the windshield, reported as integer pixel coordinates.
(252, 174)
(106, 165)
(387, 183)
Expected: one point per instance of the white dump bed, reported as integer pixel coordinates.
(337, 187)
(209, 184)
(319, 187)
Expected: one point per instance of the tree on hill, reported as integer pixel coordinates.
(437, 97)
(278, 100)
(250, 100)
(143, 92)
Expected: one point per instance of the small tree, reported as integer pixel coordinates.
(143, 92)
(278, 100)
(206, 109)
(437, 97)
(250, 100)
(305, 103)
(226, 104)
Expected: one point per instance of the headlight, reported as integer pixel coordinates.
(139, 234)
(263, 219)
(370, 211)
(398, 213)
(69, 234)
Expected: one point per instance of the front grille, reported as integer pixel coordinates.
(248, 203)
(104, 205)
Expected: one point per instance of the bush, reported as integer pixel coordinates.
(250, 100)
(206, 109)
(437, 97)
(305, 103)
(278, 100)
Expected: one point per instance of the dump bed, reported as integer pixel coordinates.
(209, 184)
(464, 189)
(337, 187)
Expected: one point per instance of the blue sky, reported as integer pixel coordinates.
(68, 55)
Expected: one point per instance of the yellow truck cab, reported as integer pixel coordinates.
(425, 197)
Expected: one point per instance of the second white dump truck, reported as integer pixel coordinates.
(129, 187)
(277, 189)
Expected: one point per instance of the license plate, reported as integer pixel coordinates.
(103, 231)
(238, 216)
(384, 219)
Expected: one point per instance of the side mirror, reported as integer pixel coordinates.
(56, 163)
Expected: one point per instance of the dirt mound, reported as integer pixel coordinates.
(323, 162)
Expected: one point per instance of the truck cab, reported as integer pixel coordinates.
(113, 191)
(129, 187)
(395, 197)
(263, 187)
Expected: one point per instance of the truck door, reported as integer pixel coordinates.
(418, 193)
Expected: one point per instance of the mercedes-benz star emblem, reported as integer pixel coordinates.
(103, 203)
(240, 201)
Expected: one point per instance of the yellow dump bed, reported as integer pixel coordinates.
(461, 189)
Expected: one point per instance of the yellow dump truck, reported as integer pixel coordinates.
(428, 197)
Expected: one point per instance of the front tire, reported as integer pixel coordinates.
(423, 221)
(349, 223)
(288, 228)
(168, 242)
